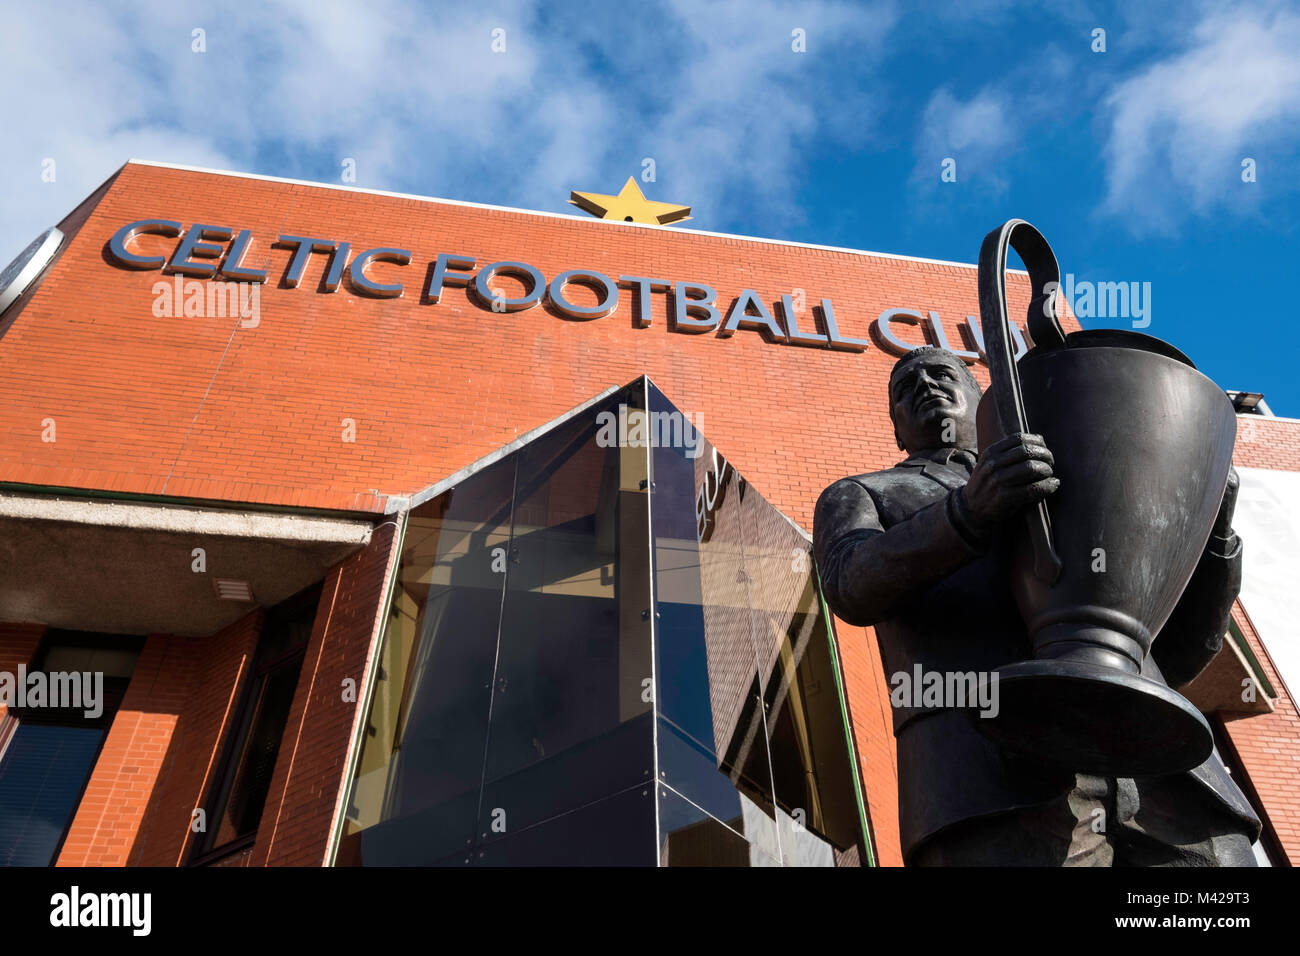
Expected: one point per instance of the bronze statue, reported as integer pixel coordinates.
(934, 553)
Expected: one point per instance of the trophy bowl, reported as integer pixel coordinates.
(1143, 446)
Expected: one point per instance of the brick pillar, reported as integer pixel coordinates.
(160, 750)
(18, 643)
(220, 666)
(873, 729)
(308, 784)
(130, 761)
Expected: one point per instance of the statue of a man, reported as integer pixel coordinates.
(908, 551)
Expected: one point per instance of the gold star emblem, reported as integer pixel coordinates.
(630, 205)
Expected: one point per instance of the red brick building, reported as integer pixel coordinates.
(236, 486)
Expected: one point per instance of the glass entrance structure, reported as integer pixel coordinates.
(604, 648)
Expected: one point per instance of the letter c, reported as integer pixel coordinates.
(883, 327)
(124, 258)
(368, 287)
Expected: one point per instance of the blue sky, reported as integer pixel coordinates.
(1129, 160)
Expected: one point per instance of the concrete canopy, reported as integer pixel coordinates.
(130, 567)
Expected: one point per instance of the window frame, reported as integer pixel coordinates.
(306, 602)
(114, 692)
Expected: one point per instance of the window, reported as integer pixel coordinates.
(49, 747)
(240, 791)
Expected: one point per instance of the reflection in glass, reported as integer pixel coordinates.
(415, 794)
(752, 726)
(577, 641)
(616, 831)
(570, 723)
(513, 682)
(688, 836)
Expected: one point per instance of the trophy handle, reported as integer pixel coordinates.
(1044, 329)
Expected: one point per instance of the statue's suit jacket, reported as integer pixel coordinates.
(890, 555)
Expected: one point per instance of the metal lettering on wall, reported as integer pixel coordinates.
(209, 252)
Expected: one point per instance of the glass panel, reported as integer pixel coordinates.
(752, 727)
(512, 698)
(811, 763)
(287, 627)
(616, 831)
(690, 837)
(112, 662)
(415, 795)
(712, 745)
(571, 716)
(44, 771)
(238, 795)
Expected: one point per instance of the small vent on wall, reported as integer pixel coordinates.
(229, 590)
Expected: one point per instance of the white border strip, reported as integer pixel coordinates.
(556, 215)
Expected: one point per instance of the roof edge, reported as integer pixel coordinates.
(555, 215)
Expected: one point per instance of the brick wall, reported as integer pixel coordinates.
(18, 643)
(131, 761)
(161, 754)
(160, 751)
(1267, 443)
(195, 407)
(218, 668)
(307, 786)
(873, 731)
(1268, 749)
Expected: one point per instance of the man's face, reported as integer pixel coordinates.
(933, 404)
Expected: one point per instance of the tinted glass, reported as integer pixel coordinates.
(616, 831)
(416, 791)
(52, 746)
(513, 681)
(558, 612)
(571, 715)
(690, 837)
(44, 770)
(811, 762)
(712, 743)
(752, 729)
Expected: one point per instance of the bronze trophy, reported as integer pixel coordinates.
(1143, 445)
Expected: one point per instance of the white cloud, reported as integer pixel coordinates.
(1179, 129)
(975, 134)
(1002, 118)
(418, 98)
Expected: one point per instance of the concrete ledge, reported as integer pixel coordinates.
(148, 568)
(182, 519)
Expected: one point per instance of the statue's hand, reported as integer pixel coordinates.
(1223, 523)
(1010, 474)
